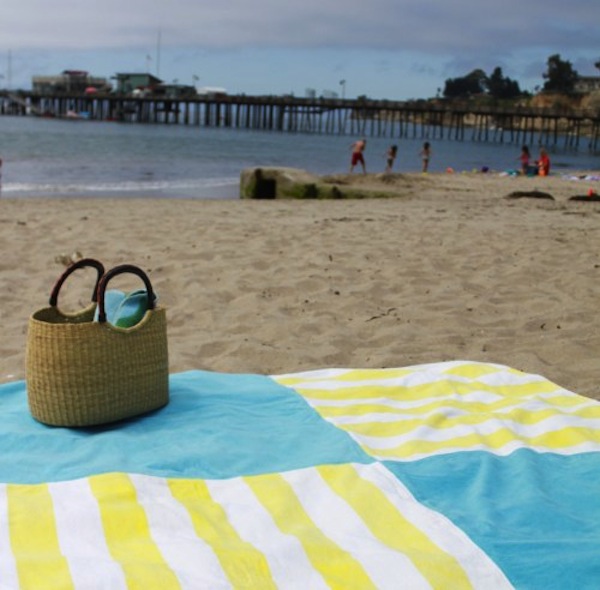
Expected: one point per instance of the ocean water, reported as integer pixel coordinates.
(61, 158)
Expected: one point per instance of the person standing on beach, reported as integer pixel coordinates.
(390, 157)
(425, 155)
(358, 148)
(543, 163)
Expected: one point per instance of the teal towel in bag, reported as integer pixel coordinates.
(124, 310)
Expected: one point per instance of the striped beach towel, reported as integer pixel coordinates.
(449, 475)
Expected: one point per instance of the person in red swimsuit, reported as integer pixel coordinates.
(358, 148)
(543, 163)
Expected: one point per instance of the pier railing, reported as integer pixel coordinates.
(466, 120)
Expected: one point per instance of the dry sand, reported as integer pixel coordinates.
(450, 269)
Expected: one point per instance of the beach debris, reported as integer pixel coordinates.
(591, 196)
(530, 194)
(67, 260)
(382, 314)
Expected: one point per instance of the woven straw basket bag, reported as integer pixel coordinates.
(81, 372)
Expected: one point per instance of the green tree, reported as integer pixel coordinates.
(499, 86)
(478, 83)
(470, 85)
(560, 76)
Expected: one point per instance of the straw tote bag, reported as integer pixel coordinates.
(81, 372)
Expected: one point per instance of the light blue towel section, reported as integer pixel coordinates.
(215, 426)
(537, 515)
(124, 310)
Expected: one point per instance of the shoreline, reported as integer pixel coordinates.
(449, 270)
(576, 182)
(228, 190)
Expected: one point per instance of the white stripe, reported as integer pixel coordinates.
(190, 557)
(335, 385)
(480, 569)
(532, 406)
(406, 381)
(81, 536)
(8, 567)
(317, 402)
(428, 374)
(415, 380)
(506, 377)
(426, 433)
(476, 397)
(441, 367)
(336, 519)
(569, 417)
(316, 374)
(415, 375)
(287, 560)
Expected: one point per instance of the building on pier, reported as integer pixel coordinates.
(68, 82)
(128, 82)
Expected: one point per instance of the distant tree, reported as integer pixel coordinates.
(560, 76)
(470, 85)
(499, 86)
(478, 83)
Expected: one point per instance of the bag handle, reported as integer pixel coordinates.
(84, 262)
(113, 272)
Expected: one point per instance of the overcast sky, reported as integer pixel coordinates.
(395, 49)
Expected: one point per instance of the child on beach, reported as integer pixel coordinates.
(524, 159)
(358, 147)
(390, 157)
(425, 155)
(543, 163)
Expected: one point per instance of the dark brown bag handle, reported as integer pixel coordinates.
(84, 262)
(117, 270)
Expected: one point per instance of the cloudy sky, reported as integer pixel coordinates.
(394, 49)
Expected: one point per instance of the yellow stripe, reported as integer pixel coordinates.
(567, 399)
(558, 407)
(442, 422)
(384, 520)
(34, 538)
(128, 535)
(434, 390)
(475, 370)
(560, 439)
(333, 563)
(244, 565)
(361, 409)
(386, 407)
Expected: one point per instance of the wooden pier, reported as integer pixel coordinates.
(363, 117)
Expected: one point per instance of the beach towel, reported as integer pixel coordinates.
(124, 310)
(449, 475)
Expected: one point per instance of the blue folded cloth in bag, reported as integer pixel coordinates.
(124, 310)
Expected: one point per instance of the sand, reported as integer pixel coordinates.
(449, 270)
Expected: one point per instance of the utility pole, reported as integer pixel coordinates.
(158, 55)
(9, 71)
